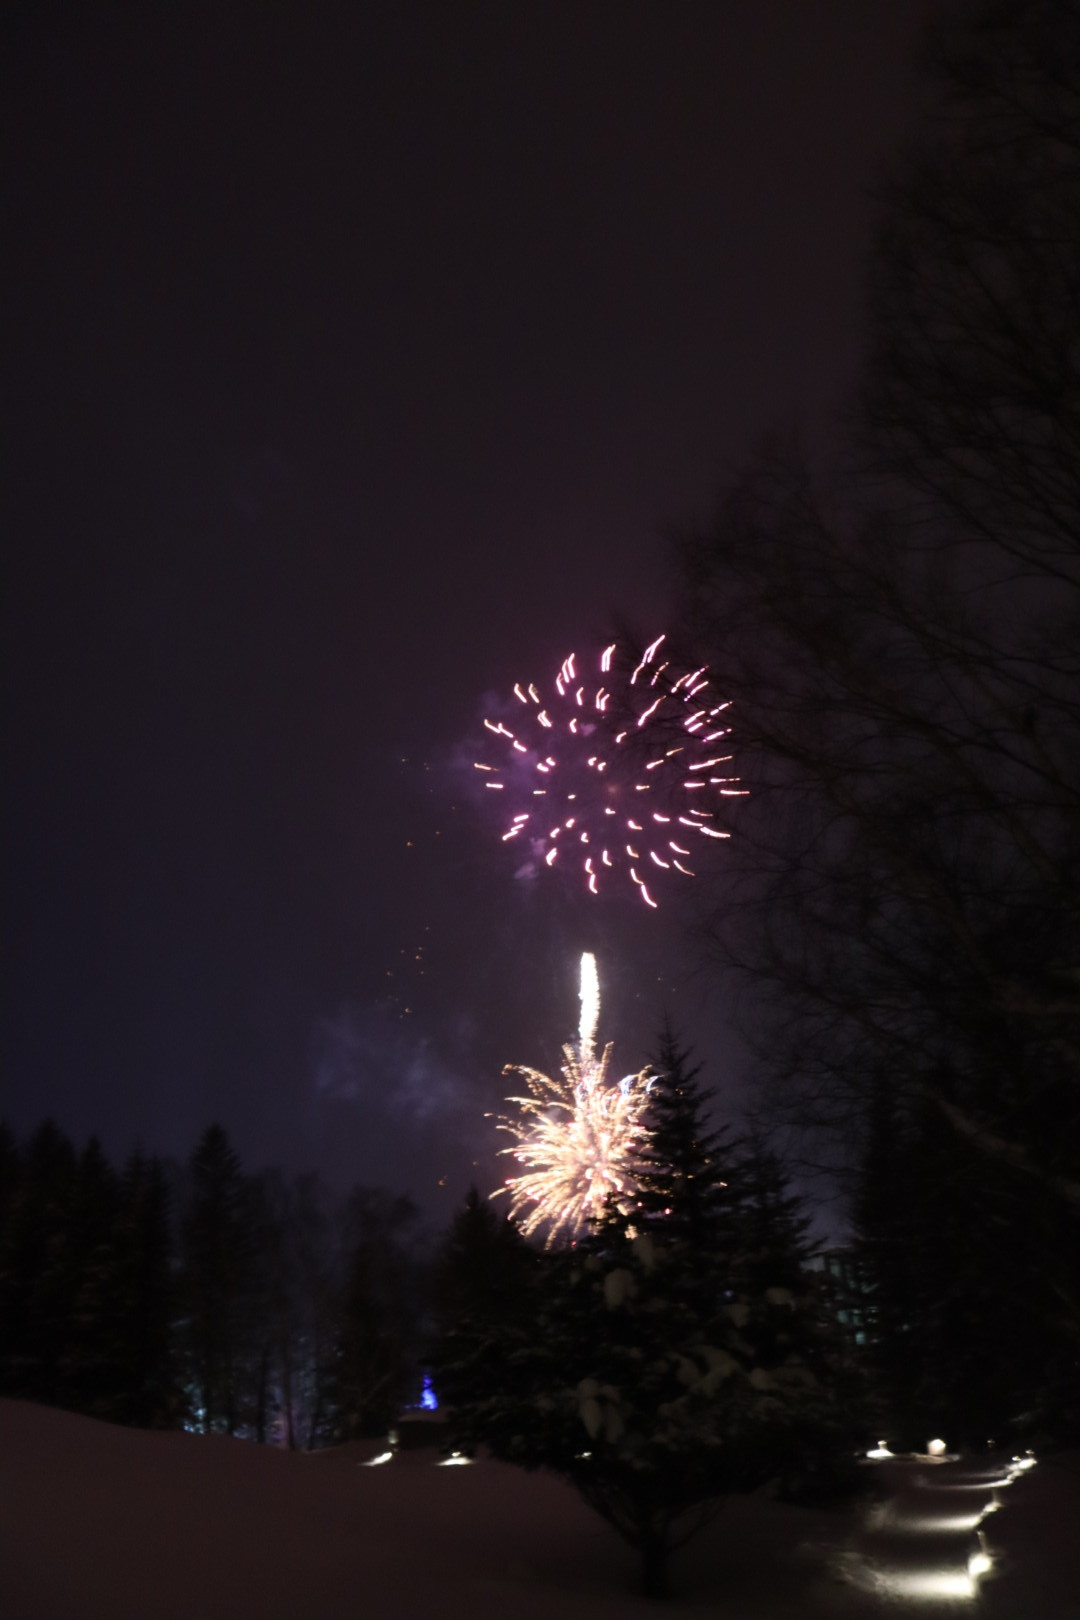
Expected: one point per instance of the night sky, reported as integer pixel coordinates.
(358, 357)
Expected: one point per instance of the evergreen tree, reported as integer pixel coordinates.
(775, 1244)
(148, 1395)
(483, 1288)
(377, 1359)
(218, 1248)
(90, 1369)
(687, 1180)
(798, 1314)
(313, 1228)
(10, 1172)
(272, 1290)
(35, 1274)
(642, 1370)
(482, 1272)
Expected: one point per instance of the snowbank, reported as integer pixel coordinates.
(103, 1523)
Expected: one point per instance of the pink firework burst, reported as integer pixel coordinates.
(617, 776)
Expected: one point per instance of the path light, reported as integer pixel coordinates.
(383, 1457)
(881, 1450)
(935, 1448)
(455, 1460)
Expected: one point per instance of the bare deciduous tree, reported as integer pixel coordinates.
(902, 644)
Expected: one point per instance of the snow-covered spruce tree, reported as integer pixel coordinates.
(725, 1211)
(639, 1372)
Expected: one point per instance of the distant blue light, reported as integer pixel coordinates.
(428, 1400)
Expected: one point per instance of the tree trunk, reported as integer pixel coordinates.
(287, 1393)
(262, 1397)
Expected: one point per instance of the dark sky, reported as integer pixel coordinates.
(358, 356)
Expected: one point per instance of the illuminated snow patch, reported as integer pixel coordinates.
(954, 1524)
(936, 1584)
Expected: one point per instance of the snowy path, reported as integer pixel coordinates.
(924, 1545)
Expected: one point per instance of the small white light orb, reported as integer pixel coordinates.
(935, 1448)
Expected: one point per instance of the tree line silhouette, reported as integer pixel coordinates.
(204, 1297)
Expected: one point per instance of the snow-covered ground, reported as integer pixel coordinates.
(103, 1523)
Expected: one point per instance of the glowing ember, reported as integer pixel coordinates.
(574, 1136)
(613, 776)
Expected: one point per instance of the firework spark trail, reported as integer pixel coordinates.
(614, 777)
(589, 996)
(575, 1135)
